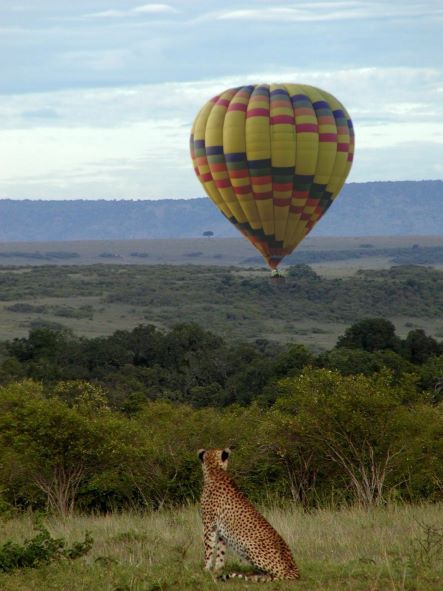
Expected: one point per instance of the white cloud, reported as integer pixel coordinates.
(154, 8)
(99, 61)
(330, 11)
(106, 14)
(130, 161)
(421, 160)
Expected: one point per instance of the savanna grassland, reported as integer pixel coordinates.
(395, 548)
(237, 303)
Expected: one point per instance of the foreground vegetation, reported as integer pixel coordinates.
(394, 548)
(327, 439)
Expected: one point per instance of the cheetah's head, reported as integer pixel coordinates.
(215, 457)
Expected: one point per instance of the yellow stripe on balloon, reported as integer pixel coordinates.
(283, 149)
(201, 163)
(258, 148)
(306, 138)
(343, 141)
(213, 138)
(327, 148)
(234, 142)
(307, 142)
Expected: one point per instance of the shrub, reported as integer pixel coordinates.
(41, 549)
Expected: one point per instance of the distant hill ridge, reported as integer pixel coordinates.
(363, 209)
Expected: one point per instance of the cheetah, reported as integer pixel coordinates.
(229, 518)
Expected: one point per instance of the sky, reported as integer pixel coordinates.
(97, 97)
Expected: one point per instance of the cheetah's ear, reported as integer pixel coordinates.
(201, 453)
(225, 454)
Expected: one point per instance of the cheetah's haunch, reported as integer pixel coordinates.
(229, 518)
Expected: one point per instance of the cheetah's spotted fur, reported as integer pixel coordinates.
(229, 518)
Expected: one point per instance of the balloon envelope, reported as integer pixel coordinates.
(273, 158)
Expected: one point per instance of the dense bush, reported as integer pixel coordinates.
(191, 365)
(327, 437)
(115, 422)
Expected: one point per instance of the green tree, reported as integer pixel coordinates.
(359, 361)
(431, 377)
(350, 361)
(370, 334)
(418, 347)
(54, 445)
(59, 453)
(351, 422)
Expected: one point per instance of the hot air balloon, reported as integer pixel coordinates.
(273, 158)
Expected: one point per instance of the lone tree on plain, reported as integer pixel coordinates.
(208, 233)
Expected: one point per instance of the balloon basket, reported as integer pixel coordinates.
(277, 278)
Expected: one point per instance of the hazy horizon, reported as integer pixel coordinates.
(178, 198)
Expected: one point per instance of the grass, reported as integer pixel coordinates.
(354, 549)
(212, 251)
(106, 319)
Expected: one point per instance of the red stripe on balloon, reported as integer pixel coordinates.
(239, 174)
(300, 194)
(242, 190)
(282, 119)
(206, 177)
(222, 102)
(261, 180)
(282, 186)
(237, 107)
(280, 202)
(306, 127)
(263, 196)
(328, 137)
(223, 183)
(258, 113)
(220, 167)
(350, 157)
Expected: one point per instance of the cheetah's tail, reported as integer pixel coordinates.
(253, 578)
(258, 577)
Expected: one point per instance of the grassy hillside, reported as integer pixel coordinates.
(395, 548)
